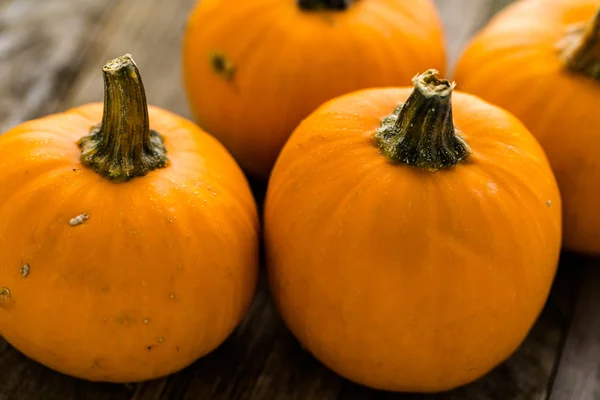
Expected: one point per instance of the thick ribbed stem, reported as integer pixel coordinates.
(421, 131)
(580, 48)
(332, 5)
(123, 146)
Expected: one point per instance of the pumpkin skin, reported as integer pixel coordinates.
(149, 282)
(519, 52)
(277, 63)
(400, 278)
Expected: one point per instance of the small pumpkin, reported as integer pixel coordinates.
(128, 251)
(405, 251)
(254, 69)
(540, 60)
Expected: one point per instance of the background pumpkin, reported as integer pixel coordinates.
(540, 60)
(254, 69)
(121, 262)
(418, 277)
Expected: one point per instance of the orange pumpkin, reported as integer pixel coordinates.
(405, 253)
(540, 60)
(126, 253)
(254, 69)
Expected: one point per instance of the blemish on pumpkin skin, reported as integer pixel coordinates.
(221, 65)
(211, 190)
(549, 203)
(5, 296)
(172, 296)
(98, 363)
(24, 270)
(161, 340)
(78, 220)
(125, 319)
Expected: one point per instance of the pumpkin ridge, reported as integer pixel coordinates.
(240, 53)
(234, 18)
(380, 46)
(387, 17)
(412, 49)
(45, 174)
(518, 189)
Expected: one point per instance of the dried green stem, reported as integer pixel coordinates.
(122, 146)
(580, 48)
(421, 131)
(333, 5)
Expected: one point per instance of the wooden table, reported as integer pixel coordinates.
(51, 53)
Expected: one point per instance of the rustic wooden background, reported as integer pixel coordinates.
(51, 53)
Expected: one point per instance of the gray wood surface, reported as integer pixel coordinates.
(51, 53)
(578, 375)
(42, 47)
(462, 18)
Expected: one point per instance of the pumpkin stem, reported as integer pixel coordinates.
(580, 48)
(333, 5)
(421, 131)
(122, 146)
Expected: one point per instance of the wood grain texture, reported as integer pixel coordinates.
(261, 360)
(42, 47)
(151, 30)
(578, 375)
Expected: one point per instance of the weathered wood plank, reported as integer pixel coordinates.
(151, 30)
(578, 375)
(42, 47)
(463, 18)
(4, 4)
